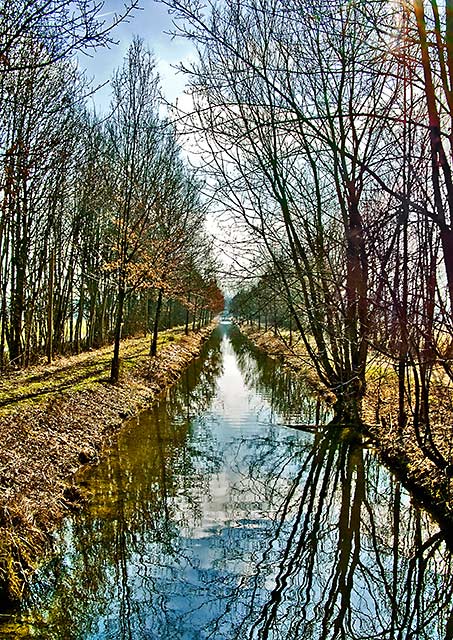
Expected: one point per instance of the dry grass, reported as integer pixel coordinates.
(53, 419)
(380, 415)
(399, 447)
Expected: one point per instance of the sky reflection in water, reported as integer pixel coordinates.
(211, 520)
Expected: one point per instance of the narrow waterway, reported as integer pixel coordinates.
(212, 517)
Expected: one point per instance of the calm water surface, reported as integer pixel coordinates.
(212, 518)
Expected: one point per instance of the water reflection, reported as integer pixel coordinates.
(209, 521)
(290, 399)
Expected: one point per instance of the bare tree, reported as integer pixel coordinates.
(291, 112)
(60, 27)
(134, 138)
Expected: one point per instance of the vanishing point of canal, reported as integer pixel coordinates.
(213, 518)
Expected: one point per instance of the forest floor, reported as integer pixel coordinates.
(56, 418)
(398, 449)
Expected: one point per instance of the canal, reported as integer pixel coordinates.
(225, 512)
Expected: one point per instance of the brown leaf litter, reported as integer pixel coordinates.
(63, 417)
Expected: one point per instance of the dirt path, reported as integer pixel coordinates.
(56, 418)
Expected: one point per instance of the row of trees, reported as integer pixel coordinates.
(101, 221)
(326, 127)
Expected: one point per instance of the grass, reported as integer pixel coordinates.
(87, 370)
(55, 418)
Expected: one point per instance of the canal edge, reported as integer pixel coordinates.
(79, 427)
(429, 487)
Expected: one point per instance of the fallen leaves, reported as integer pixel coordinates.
(72, 418)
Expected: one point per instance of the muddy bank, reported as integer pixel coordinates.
(45, 443)
(400, 452)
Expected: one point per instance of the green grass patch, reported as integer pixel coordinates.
(75, 373)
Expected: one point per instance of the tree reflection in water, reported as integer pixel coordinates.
(210, 522)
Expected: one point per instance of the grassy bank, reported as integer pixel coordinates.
(56, 418)
(379, 410)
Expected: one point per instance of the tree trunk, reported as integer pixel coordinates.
(4, 324)
(446, 236)
(186, 328)
(356, 300)
(79, 321)
(145, 317)
(438, 155)
(169, 316)
(50, 308)
(17, 305)
(153, 349)
(115, 370)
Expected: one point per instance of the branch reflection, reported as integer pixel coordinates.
(207, 525)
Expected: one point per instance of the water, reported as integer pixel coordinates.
(212, 519)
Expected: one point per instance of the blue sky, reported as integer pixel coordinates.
(150, 23)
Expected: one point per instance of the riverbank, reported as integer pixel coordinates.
(400, 452)
(54, 419)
